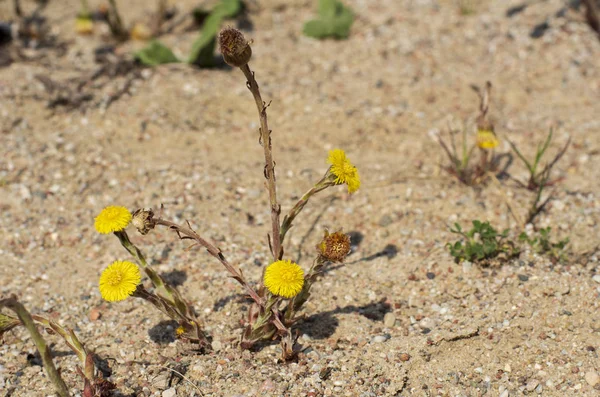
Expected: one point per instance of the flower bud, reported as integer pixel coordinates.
(143, 220)
(334, 247)
(234, 47)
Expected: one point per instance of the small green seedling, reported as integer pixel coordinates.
(540, 177)
(481, 243)
(335, 20)
(542, 244)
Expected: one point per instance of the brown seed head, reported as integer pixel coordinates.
(234, 47)
(334, 247)
(143, 220)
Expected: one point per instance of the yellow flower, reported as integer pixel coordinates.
(112, 219)
(180, 331)
(487, 139)
(343, 170)
(84, 25)
(119, 280)
(284, 278)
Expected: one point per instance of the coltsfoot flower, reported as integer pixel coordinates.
(486, 139)
(119, 280)
(334, 247)
(284, 278)
(112, 219)
(343, 170)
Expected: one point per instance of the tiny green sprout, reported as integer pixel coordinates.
(156, 53)
(542, 244)
(335, 20)
(481, 243)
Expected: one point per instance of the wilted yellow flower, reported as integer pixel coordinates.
(343, 170)
(119, 280)
(486, 139)
(334, 247)
(112, 219)
(284, 278)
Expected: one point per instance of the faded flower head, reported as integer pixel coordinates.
(343, 170)
(486, 139)
(119, 280)
(112, 219)
(234, 47)
(143, 220)
(334, 247)
(284, 278)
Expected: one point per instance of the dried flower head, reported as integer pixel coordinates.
(234, 47)
(284, 278)
(7, 323)
(112, 219)
(143, 220)
(119, 280)
(486, 139)
(343, 170)
(334, 247)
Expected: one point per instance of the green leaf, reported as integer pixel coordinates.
(156, 53)
(335, 20)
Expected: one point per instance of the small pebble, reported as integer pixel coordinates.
(169, 392)
(404, 356)
(379, 339)
(596, 278)
(430, 275)
(592, 378)
(389, 320)
(523, 277)
(467, 266)
(532, 384)
(216, 345)
(504, 393)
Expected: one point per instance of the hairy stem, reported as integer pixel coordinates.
(40, 343)
(265, 138)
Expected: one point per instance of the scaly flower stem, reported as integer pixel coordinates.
(43, 349)
(286, 225)
(214, 251)
(265, 138)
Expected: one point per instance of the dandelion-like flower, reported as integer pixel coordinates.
(486, 139)
(343, 170)
(180, 331)
(284, 278)
(119, 280)
(112, 219)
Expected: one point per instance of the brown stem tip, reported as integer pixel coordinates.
(234, 47)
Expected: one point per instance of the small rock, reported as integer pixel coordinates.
(404, 356)
(379, 339)
(389, 320)
(504, 393)
(169, 392)
(532, 384)
(596, 278)
(467, 266)
(592, 378)
(216, 345)
(523, 277)
(430, 275)
(94, 314)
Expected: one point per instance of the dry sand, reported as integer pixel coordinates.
(400, 318)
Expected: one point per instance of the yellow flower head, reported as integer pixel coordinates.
(284, 278)
(180, 331)
(486, 139)
(343, 170)
(119, 280)
(112, 219)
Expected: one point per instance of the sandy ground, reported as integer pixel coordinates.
(188, 138)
